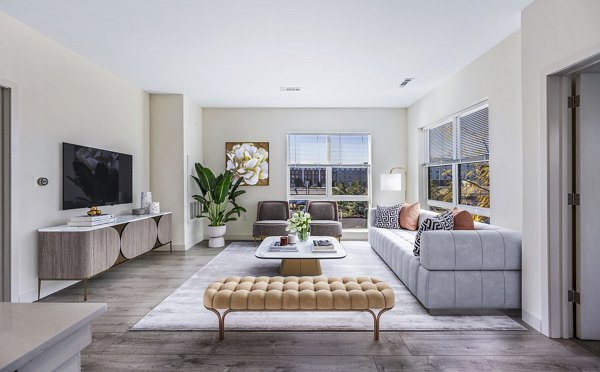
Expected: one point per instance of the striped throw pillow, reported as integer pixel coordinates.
(444, 221)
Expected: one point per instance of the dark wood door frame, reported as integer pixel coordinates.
(5, 204)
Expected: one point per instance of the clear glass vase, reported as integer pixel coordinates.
(303, 234)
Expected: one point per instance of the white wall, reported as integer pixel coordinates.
(554, 35)
(192, 136)
(166, 152)
(496, 75)
(176, 144)
(388, 128)
(61, 97)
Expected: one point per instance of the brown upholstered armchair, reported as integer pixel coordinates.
(271, 219)
(325, 218)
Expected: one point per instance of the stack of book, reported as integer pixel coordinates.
(277, 247)
(323, 246)
(89, 221)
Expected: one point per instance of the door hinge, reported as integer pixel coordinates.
(573, 199)
(574, 296)
(573, 101)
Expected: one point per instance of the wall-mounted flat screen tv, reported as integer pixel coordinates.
(95, 177)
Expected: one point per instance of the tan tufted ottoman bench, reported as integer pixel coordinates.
(293, 293)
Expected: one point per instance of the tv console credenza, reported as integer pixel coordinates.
(80, 253)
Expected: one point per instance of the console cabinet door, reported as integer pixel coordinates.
(65, 255)
(164, 229)
(138, 237)
(106, 245)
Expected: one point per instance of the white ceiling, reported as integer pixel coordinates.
(238, 53)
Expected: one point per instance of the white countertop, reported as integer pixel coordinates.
(27, 330)
(304, 249)
(119, 221)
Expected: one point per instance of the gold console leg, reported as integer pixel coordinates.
(39, 288)
(300, 267)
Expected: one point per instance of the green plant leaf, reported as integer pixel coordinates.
(236, 185)
(200, 186)
(235, 194)
(210, 178)
(220, 191)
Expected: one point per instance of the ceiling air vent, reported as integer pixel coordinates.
(290, 89)
(405, 82)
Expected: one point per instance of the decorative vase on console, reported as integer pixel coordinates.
(154, 208)
(146, 201)
(300, 224)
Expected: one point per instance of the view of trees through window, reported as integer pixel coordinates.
(475, 184)
(345, 181)
(440, 183)
(351, 181)
(331, 167)
(458, 171)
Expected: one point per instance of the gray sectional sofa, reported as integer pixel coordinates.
(458, 269)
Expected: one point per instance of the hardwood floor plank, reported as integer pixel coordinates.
(499, 344)
(259, 363)
(486, 363)
(259, 343)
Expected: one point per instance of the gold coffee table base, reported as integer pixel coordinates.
(300, 267)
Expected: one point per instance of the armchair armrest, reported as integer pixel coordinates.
(471, 250)
(371, 217)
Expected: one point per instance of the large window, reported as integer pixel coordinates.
(331, 167)
(457, 167)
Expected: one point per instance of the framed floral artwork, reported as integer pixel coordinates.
(249, 161)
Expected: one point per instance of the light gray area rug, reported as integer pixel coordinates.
(184, 309)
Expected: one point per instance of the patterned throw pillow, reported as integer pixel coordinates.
(388, 217)
(444, 221)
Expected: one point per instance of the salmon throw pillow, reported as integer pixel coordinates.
(409, 216)
(462, 220)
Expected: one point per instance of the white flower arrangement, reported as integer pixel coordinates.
(299, 224)
(248, 162)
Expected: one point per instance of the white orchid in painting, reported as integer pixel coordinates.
(248, 162)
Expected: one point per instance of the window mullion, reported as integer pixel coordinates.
(455, 183)
(328, 181)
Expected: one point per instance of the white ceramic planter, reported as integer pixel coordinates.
(216, 236)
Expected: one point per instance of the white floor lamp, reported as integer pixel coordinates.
(394, 181)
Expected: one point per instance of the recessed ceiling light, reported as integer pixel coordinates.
(405, 82)
(290, 89)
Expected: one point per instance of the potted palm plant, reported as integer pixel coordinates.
(218, 194)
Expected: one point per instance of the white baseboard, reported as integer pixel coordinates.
(533, 321)
(48, 287)
(351, 235)
(237, 237)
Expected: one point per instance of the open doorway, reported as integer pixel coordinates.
(5, 250)
(574, 201)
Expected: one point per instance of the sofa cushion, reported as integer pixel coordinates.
(409, 216)
(444, 221)
(388, 217)
(407, 235)
(462, 220)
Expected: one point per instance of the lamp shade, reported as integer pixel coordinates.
(391, 182)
